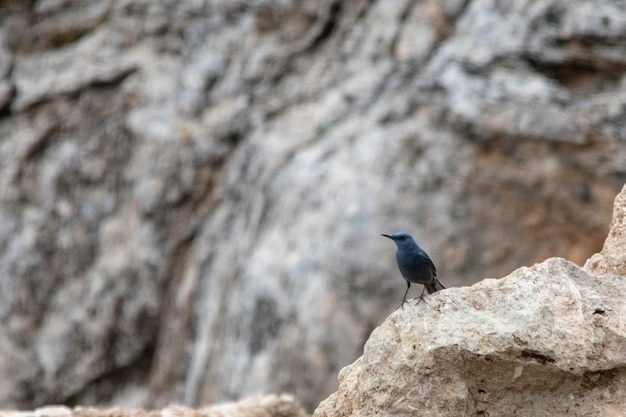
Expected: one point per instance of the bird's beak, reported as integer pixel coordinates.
(387, 236)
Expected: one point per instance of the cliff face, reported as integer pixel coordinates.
(546, 339)
(191, 192)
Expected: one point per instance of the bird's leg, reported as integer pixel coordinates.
(408, 285)
(421, 297)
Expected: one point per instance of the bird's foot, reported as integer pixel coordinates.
(421, 298)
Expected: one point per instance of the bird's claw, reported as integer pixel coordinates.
(421, 298)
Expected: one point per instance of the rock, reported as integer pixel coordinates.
(53, 411)
(550, 337)
(257, 406)
(192, 192)
(261, 406)
(612, 259)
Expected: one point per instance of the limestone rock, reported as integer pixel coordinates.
(546, 339)
(612, 258)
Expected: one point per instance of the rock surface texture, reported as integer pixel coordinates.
(612, 258)
(546, 340)
(192, 192)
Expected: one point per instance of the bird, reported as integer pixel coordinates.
(415, 265)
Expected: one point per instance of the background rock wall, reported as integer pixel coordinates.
(192, 192)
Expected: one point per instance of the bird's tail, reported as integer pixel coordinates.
(435, 286)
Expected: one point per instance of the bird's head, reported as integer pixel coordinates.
(401, 238)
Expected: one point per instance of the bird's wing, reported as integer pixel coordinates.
(431, 265)
(436, 285)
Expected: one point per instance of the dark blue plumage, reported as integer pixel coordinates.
(415, 265)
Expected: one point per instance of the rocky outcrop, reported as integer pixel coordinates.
(612, 258)
(258, 406)
(544, 340)
(192, 192)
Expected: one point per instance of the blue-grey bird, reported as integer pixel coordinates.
(415, 265)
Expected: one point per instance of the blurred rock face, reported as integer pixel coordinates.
(191, 193)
